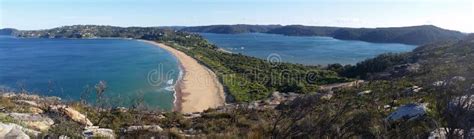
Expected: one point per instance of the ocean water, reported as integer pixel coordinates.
(66, 67)
(303, 50)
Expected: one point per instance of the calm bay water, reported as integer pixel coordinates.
(303, 50)
(65, 67)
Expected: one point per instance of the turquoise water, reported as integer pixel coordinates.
(65, 67)
(303, 50)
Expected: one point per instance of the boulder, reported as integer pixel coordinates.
(458, 78)
(72, 114)
(412, 90)
(95, 132)
(34, 121)
(439, 83)
(408, 112)
(275, 99)
(148, 128)
(14, 131)
(364, 92)
(464, 102)
(416, 89)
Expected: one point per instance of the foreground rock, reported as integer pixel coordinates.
(14, 131)
(96, 132)
(408, 112)
(34, 121)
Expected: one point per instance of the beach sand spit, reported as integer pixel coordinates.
(198, 89)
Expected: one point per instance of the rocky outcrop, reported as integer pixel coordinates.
(14, 131)
(465, 103)
(441, 133)
(454, 80)
(408, 112)
(330, 87)
(33, 121)
(275, 99)
(95, 132)
(72, 114)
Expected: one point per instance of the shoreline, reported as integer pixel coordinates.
(178, 97)
(197, 88)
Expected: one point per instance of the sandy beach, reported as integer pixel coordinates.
(199, 88)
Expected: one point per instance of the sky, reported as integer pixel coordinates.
(44, 14)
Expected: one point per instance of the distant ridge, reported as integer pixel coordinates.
(414, 35)
(231, 29)
(8, 31)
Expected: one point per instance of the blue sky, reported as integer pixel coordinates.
(42, 14)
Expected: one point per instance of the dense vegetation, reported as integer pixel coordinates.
(364, 69)
(415, 35)
(442, 58)
(244, 78)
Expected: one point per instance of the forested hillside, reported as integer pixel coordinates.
(415, 35)
(428, 62)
